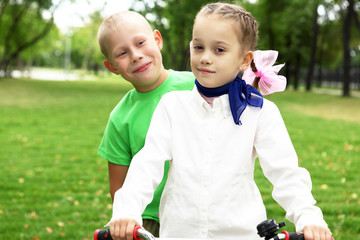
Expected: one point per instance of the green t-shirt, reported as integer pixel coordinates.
(128, 124)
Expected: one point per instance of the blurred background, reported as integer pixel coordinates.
(319, 40)
(53, 185)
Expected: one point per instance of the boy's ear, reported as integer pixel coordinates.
(158, 39)
(248, 57)
(111, 67)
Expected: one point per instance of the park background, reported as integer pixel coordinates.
(52, 183)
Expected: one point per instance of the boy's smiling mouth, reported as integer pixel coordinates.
(142, 68)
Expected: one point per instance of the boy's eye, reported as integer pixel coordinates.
(140, 43)
(122, 54)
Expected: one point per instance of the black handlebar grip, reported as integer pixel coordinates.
(102, 234)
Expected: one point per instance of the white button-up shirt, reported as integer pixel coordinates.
(210, 191)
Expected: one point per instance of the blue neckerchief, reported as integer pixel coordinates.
(240, 94)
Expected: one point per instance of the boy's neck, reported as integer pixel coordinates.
(163, 76)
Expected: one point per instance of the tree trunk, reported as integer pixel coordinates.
(297, 71)
(288, 65)
(320, 76)
(346, 45)
(320, 68)
(4, 67)
(312, 61)
(288, 74)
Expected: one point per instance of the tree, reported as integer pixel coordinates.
(85, 51)
(315, 31)
(48, 52)
(329, 49)
(22, 25)
(350, 15)
(285, 26)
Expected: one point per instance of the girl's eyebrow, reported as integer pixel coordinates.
(216, 42)
(222, 42)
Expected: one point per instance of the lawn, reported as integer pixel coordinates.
(54, 186)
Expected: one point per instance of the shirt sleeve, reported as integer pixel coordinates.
(146, 170)
(278, 159)
(114, 146)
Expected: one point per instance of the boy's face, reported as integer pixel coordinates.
(134, 53)
(216, 53)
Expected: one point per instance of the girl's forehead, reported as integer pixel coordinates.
(212, 21)
(215, 26)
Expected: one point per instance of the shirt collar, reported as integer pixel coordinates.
(220, 104)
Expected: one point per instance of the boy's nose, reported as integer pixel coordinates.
(136, 56)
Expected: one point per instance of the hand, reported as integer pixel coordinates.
(122, 228)
(315, 232)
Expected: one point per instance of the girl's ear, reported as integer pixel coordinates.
(248, 57)
(158, 39)
(111, 67)
(190, 47)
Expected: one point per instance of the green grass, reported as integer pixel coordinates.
(54, 186)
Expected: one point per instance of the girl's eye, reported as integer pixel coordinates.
(219, 50)
(198, 47)
(140, 43)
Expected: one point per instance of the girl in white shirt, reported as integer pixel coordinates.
(212, 136)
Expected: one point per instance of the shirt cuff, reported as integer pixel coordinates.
(310, 216)
(124, 207)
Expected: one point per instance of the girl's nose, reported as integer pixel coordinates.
(205, 59)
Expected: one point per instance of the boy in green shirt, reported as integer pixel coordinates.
(132, 50)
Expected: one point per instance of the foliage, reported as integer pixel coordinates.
(54, 186)
(85, 51)
(48, 52)
(286, 26)
(22, 25)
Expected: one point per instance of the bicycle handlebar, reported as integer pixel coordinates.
(266, 229)
(138, 234)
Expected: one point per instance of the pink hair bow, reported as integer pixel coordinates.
(270, 81)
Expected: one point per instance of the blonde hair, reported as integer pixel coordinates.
(114, 22)
(247, 23)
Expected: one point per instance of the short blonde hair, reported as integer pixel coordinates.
(248, 24)
(114, 22)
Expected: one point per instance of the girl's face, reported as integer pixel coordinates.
(216, 53)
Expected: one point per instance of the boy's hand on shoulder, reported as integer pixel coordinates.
(122, 228)
(315, 232)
